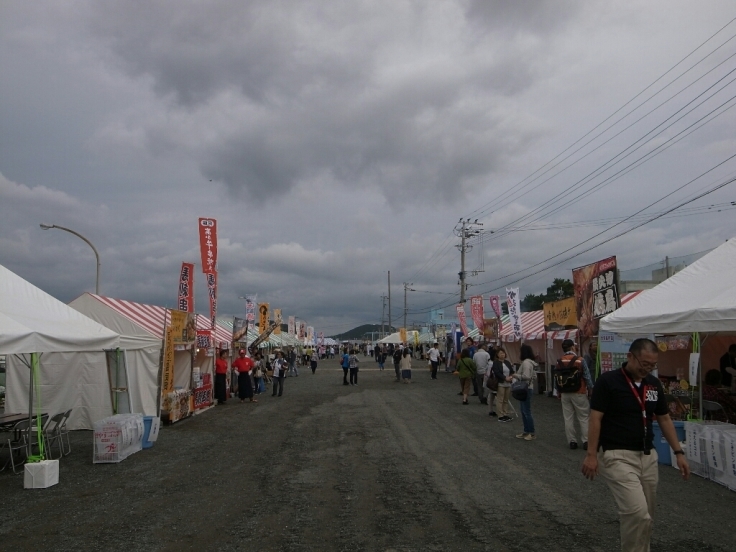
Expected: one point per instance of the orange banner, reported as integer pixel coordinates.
(262, 317)
(277, 318)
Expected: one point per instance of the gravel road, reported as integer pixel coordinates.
(381, 466)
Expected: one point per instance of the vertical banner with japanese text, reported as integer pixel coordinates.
(212, 292)
(167, 381)
(262, 317)
(514, 304)
(302, 330)
(596, 294)
(310, 334)
(321, 339)
(495, 301)
(460, 308)
(278, 320)
(208, 244)
(476, 311)
(250, 311)
(186, 287)
(240, 330)
(292, 326)
(402, 334)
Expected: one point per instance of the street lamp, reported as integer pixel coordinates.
(97, 255)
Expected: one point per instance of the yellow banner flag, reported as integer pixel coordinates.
(402, 334)
(262, 317)
(278, 320)
(167, 383)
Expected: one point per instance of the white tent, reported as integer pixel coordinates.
(72, 368)
(700, 298)
(396, 337)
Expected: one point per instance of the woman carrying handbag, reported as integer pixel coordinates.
(503, 370)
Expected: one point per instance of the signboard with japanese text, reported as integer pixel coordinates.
(596, 294)
(262, 317)
(183, 327)
(277, 318)
(613, 348)
(560, 315)
(212, 292)
(460, 309)
(513, 302)
(204, 339)
(186, 287)
(402, 334)
(250, 310)
(208, 244)
(167, 382)
(302, 329)
(490, 328)
(476, 311)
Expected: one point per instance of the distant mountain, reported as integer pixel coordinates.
(360, 331)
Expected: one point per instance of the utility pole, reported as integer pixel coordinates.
(666, 267)
(389, 301)
(383, 314)
(465, 229)
(406, 288)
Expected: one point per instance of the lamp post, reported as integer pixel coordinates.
(97, 255)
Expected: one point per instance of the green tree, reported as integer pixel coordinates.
(561, 288)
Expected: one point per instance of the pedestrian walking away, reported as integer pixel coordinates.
(312, 363)
(482, 361)
(527, 373)
(406, 367)
(503, 370)
(466, 371)
(573, 384)
(345, 364)
(621, 441)
(244, 364)
(221, 377)
(396, 357)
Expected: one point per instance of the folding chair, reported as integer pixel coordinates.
(52, 434)
(712, 407)
(64, 432)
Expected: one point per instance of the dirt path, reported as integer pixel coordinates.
(381, 466)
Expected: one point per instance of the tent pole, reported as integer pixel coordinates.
(34, 364)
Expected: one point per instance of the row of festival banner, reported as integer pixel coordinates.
(490, 328)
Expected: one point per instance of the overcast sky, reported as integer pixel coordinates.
(334, 141)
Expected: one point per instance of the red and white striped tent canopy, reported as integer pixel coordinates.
(153, 318)
(532, 325)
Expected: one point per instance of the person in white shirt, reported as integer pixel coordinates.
(482, 361)
(280, 366)
(434, 359)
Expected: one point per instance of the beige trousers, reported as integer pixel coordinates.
(575, 405)
(502, 401)
(632, 477)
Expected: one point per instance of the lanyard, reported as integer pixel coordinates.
(641, 405)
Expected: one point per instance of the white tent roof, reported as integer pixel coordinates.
(700, 298)
(31, 321)
(396, 337)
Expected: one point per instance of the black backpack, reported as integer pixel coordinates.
(568, 377)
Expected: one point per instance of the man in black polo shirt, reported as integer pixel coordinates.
(621, 410)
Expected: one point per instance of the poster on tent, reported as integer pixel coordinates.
(513, 302)
(292, 326)
(490, 329)
(167, 377)
(262, 317)
(560, 315)
(186, 288)
(240, 331)
(596, 294)
(460, 309)
(495, 301)
(183, 327)
(250, 310)
(613, 348)
(277, 318)
(476, 311)
(208, 244)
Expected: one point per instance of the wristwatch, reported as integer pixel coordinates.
(678, 452)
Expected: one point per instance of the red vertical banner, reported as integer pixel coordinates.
(461, 317)
(208, 244)
(496, 306)
(476, 311)
(186, 287)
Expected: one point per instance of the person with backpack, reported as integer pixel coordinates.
(466, 371)
(397, 361)
(503, 371)
(573, 384)
(527, 373)
(345, 364)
